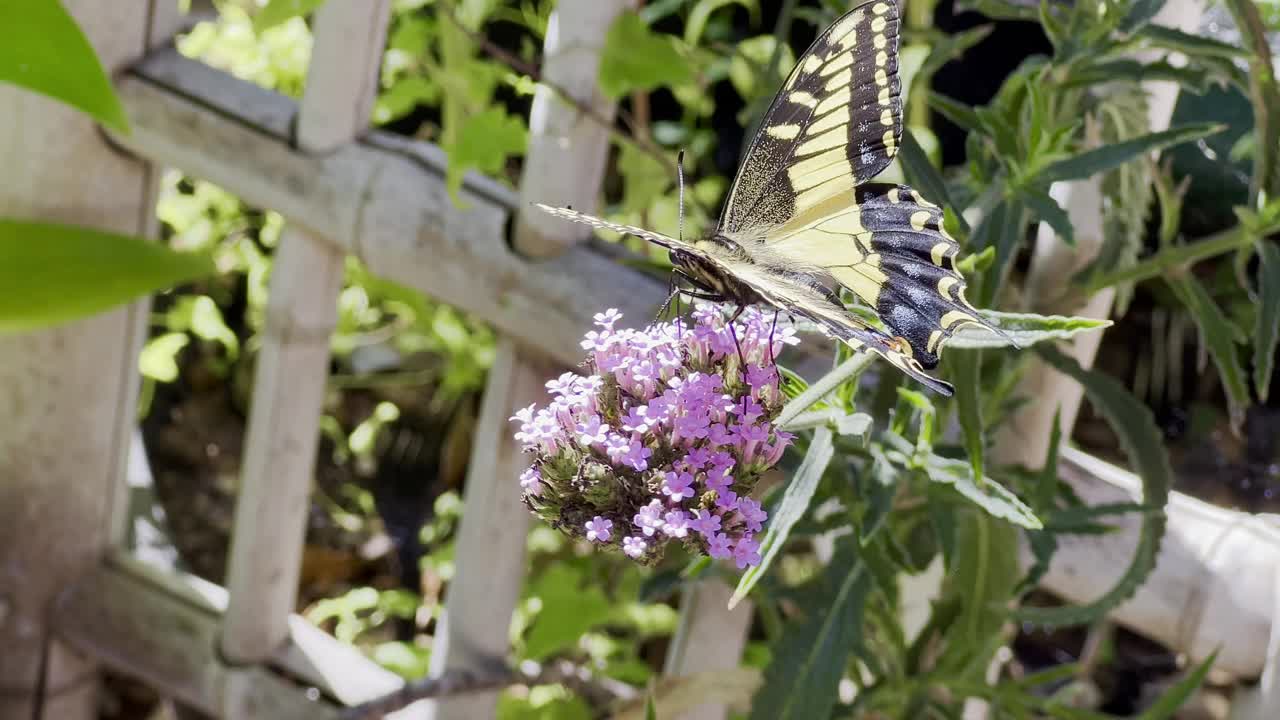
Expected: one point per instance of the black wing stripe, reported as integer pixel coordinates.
(835, 122)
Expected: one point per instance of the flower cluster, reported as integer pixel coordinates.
(665, 438)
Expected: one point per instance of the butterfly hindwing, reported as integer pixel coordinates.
(888, 247)
(835, 123)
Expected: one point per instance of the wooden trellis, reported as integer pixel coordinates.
(71, 597)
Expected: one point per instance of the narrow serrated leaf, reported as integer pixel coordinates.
(1143, 443)
(794, 503)
(810, 655)
(1025, 329)
(1266, 332)
(1107, 157)
(54, 273)
(1221, 337)
(990, 495)
(1048, 210)
(1166, 706)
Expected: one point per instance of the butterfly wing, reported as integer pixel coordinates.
(888, 247)
(799, 293)
(656, 238)
(835, 123)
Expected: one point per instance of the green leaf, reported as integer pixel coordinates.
(159, 357)
(650, 711)
(1221, 337)
(43, 49)
(811, 652)
(1170, 700)
(570, 607)
(636, 58)
(1025, 329)
(957, 112)
(1044, 544)
(484, 143)
(794, 504)
(1176, 255)
(1143, 443)
(965, 370)
(1140, 13)
(278, 11)
(1001, 229)
(1190, 44)
(822, 387)
(644, 177)
(990, 495)
(1267, 331)
(55, 273)
(1105, 158)
(1048, 210)
(924, 177)
(702, 12)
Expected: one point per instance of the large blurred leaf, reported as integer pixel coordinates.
(1104, 158)
(570, 607)
(42, 49)
(1221, 338)
(484, 143)
(1267, 331)
(810, 655)
(55, 273)
(1143, 443)
(636, 58)
(793, 505)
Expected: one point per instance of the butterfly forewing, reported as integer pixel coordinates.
(835, 123)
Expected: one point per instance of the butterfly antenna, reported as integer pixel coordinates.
(680, 184)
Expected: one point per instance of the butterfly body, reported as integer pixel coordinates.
(802, 221)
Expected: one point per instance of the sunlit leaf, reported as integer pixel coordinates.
(43, 49)
(1025, 329)
(570, 607)
(990, 495)
(637, 58)
(159, 357)
(484, 143)
(55, 273)
(794, 504)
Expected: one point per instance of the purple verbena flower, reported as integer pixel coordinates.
(634, 547)
(598, 529)
(664, 426)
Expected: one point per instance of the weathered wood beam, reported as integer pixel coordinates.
(163, 627)
(380, 199)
